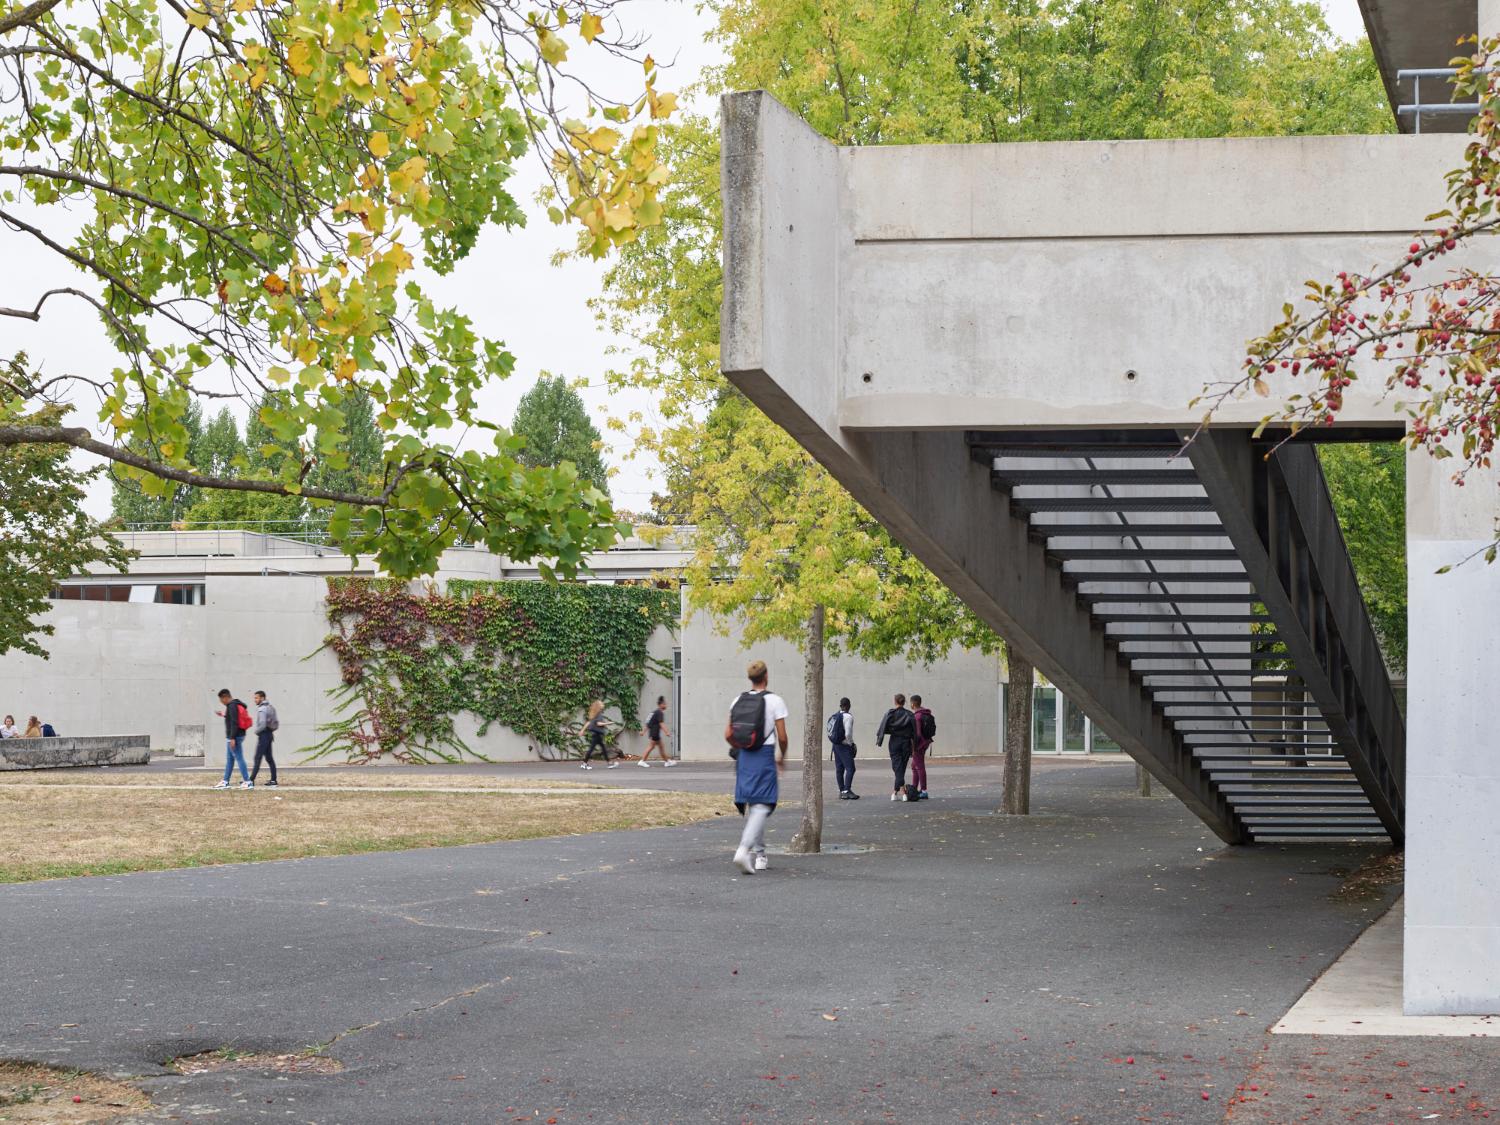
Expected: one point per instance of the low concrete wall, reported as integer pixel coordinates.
(60, 753)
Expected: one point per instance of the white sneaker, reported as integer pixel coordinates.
(761, 863)
(613, 766)
(743, 862)
(222, 785)
(670, 763)
(894, 796)
(644, 765)
(586, 766)
(247, 785)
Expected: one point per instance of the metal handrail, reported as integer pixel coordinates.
(1417, 108)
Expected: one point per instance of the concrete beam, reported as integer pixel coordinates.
(1072, 284)
(1409, 36)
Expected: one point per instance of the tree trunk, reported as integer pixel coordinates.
(1142, 780)
(809, 837)
(1018, 693)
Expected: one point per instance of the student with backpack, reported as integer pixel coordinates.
(926, 724)
(267, 723)
(756, 733)
(841, 734)
(897, 725)
(237, 721)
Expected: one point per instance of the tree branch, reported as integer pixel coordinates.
(79, 438)
(29, 14)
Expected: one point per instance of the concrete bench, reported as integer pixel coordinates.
(57, 753)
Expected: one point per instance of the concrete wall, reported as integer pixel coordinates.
(963, 692)
(1452, 951)
(115, 668)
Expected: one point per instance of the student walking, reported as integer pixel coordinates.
(756, 733)
(841, 734)
(266, 725)
(897, 725)
(656, 730)
(236, 722)
(596, 728)
(926, 724)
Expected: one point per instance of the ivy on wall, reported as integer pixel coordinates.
(530, 656)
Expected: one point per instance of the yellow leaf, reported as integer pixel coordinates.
(299, 58)
(602, 139)
(590, 27)
(258, 79)
(196, 19)
(1260, 387)
(619, 218)
(346, 368)
(380, 145)
(554, 49)
(274, 285)
(663, 105)
(358, 74)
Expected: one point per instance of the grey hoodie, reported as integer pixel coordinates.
(265, 717)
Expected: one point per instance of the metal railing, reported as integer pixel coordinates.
(1417, 107)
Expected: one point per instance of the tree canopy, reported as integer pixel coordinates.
(557, 428)
(247, 192)
(44, 534)
(1367, 483)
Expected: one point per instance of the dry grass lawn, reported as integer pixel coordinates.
(409, 778)
(52, 832)
(40, 1093)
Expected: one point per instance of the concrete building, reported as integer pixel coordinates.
(145, 652)
(995, 348)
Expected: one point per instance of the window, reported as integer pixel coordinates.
(174, 593)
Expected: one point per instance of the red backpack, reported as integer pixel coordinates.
(245, 721)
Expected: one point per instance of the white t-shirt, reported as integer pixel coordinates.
(775, 709)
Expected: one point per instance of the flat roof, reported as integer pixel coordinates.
(1415, 34)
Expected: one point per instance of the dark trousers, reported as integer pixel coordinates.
(900, 755)
(596, 742)
(263, 754)
(843, 766)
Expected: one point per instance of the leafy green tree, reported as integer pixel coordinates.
(247, 192)
(778, 540)
(1368, 487)
(45, 535)
(129, 503)
(557, 428)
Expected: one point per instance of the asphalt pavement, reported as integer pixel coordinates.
(1103, 960)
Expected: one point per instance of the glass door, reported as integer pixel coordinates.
(1044, 720)
(1074, 728)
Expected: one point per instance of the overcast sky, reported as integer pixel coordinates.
(508, 284)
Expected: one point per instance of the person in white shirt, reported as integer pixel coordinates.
(841, 734)
(756, 733)
(8, 729)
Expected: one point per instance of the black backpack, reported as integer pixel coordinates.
(747, 722)
(929, 726)
(913, 793)
(836, 728)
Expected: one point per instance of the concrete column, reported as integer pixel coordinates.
(1489, 18)
(1452, 954)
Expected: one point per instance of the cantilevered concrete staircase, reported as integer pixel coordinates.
(1217, 578)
